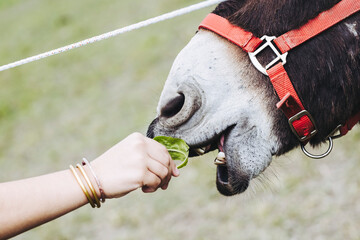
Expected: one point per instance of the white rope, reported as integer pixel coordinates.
(101, 37)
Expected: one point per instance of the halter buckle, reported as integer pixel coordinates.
(297, 117)
(268, 43)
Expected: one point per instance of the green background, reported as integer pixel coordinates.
(57, 110)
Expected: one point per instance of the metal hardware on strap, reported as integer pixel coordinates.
(321, 155)
(268, 43)
(346, 127)
(298, 116)
(332, 134)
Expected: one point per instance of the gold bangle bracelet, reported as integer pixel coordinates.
(82, 186)
(97, 201)
(102, 193)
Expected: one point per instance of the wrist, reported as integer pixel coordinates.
(94, 178)
(89, 183)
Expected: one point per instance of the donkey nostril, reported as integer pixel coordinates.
(177, 107)
(173, 106)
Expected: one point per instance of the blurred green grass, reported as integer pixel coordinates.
(57, 110)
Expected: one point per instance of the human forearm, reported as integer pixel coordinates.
(28, 203)
(136, 162)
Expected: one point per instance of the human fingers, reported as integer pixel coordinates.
(159, 152)
(174, 170)
(161, 171)
(151, 182)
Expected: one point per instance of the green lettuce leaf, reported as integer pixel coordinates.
(178, 149)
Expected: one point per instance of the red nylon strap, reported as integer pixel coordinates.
(349, 124)
(246, 40)
(290, 102)
(323, 21)
(282, 84)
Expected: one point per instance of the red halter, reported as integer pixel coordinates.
(300, 120)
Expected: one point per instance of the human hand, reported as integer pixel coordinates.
(136, 161)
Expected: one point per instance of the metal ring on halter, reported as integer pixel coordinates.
(321, 155)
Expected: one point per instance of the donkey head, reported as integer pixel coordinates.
(214, 98)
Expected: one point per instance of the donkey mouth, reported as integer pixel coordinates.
(215, 143)
(228, 180)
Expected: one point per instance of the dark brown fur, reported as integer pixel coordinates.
(325, 71)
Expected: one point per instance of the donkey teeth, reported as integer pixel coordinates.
(219, 162)
(221, 156)
(220, 159)
(202, 150)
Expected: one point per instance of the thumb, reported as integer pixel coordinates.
(175, 170)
